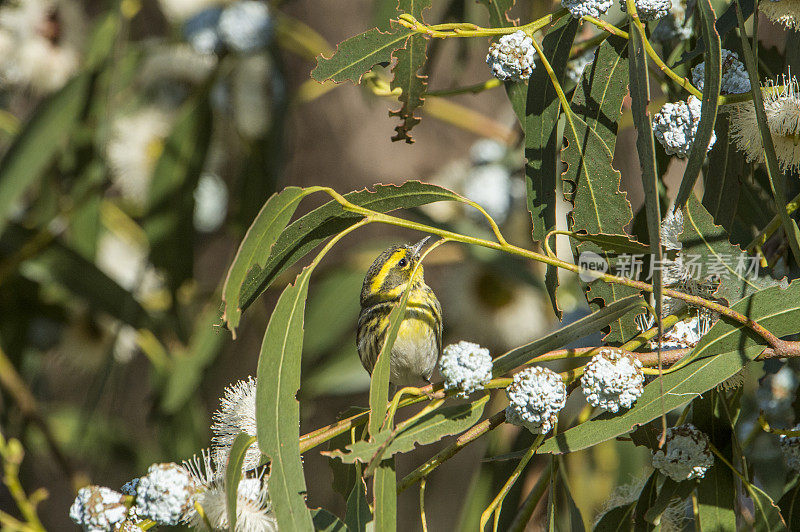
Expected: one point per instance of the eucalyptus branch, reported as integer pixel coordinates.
(469, 89)
(773, 225)
(467, 29)
(762, 422)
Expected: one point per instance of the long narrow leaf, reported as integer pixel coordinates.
(233, 474)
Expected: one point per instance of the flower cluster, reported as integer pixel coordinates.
(786, 12)
(465, 366)
(685, 455)
(243, 27)
(534, 399)
(675, 126)
(734, 76)
(97, 508)
(584, 8)
(169, 494)
(782, 107)
(165, 493)
(649, 9)
(612, 380)
(790, 447)
(236, 415)
(512, 57)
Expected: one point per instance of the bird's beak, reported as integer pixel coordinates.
(418, 246)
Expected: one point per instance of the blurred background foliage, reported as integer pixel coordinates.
(136, 154)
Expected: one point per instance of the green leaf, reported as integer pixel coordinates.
(171, 196)
(615, 243)
(703, 239)
(790, 505)
(722, 352)
(768, 517)
(379, 383)
(430, 428)
(385, 496)
(358, 512)
(645, 145)
(727, 22)
(565, 335)
(35, 148)
(619, 519)
(278, 412)
(101, 42)
(309, 231)
(716, 492)
(708, 111)
(647, 498)
(498, 12)
(255, 249)
(233, 474)
(590, 182)
(410, 60)
(63, 265)
(360, 53)
(538, 112)
(777, 179)
(324, 521)
(721, 186)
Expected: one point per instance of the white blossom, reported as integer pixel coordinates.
(486, 151)
(649, 9)
(246, 26)
(612, 380)
(786, 12)
(465, 366)
(236, 415)
(734, 76)
(782, 107)
(675, 126)
(685, 455)
(165, 493)
(210, 203)
(535, 397)
(97, 508)
(490, 186)
(512, 57)
(583, 8)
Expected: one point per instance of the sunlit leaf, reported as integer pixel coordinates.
(233, 474)
(277, 409)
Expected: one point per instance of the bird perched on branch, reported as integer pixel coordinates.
(418, 345)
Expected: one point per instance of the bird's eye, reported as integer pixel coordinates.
(402, 263)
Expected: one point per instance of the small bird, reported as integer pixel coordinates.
(418, 345)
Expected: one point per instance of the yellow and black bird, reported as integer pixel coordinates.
(418, 345)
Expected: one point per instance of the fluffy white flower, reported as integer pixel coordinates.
(685, 454)
(612, 380)
(253, 509)
(534, 399)
(465, 366)
(246, 26)
(486, 151)
(576, 66)
(786, 12)
(790, 447)
(582, 8)
(39, 40)
(777, 393)
(126, 262)
(165, 493)
(675, 126)
(210, 203)
(782, 107)
(734, 76)
(97, 508)
(512, 57)
(674, 25)
(649, 9)
(490, 186)
(136, 143)
(201, 31)
(236, 415)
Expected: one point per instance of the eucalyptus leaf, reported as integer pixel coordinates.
(233, 474)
